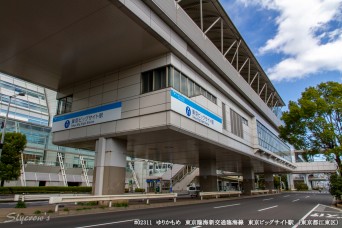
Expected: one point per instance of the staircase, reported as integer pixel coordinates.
(186, 178)
(61, 164)
(134, 174)
(181, 176)
(84, 171)
(22, 171)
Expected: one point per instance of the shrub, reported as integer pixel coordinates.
(66, 209)
(301, 186)
(121, 205)
(37, 212)
(139, 190)
(20, 204)
(92, 203)
(51, 211)
(336, 186)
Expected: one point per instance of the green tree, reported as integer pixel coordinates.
(14, 144)
(336, 186)
(313, 124)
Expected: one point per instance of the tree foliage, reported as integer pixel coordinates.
(336, 186)
(14, 144)
(313, 123)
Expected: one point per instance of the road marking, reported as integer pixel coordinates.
(268, 199)
(196, 226)
(108, 223)
(295, 200)
(307, 196)
(231, 205)
(268, 208)
(286, 196)
(302, 219)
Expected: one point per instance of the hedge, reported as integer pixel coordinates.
(301, 186)
(139, 190)
(44, 189)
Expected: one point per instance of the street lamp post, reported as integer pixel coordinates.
(171, 179)
(5, 122)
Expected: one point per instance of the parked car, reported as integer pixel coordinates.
(194, 191)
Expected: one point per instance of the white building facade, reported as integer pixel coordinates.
(164, 80)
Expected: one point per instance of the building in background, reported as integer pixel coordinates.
(32, 115)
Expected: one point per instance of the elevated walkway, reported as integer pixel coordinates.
(315, 167)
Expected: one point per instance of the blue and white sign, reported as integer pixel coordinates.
(190, 109)
(101, 114)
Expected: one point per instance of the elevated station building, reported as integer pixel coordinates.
(164, 80)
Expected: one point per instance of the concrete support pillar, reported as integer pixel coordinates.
(248, 181)
(290, 182)
(269, 182)
(110, 167)
(306, 180)
(207, 174)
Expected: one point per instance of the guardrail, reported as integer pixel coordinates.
(40, 197)
(75, 199)
(217, 194)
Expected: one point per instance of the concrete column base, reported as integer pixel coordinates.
(110, 167)
(269, 185)
(208, 183)
(248, 186)
(269, 182)
(248, 183)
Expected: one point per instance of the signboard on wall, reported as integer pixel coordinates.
(101, 114)
(186, 107)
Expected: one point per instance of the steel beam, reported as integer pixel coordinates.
(243, 64)
(212, 25)
(230, 47)
(262, 88)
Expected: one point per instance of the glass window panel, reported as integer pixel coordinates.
(170, 76)
(176, 80)
(203, 92)
(213, 99)
(159, 78)
(184, 85)
(69, 99)
(197, 90)
(191, 87)
(208, 95)
(147, 81)
(67, 107)
(163, 77)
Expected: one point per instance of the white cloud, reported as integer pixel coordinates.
(305, 36)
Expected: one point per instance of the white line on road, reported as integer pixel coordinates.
(108, 223)
(286, 196)
(231, 205)
(268, 199)
(196, 226)
(307, 196)
(268, 208)
(302, 219)
(295, 200)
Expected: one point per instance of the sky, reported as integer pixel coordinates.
(298, 43)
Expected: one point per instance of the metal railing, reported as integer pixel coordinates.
(109, 198)
(218, 194)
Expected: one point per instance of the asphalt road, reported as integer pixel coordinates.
(283, 210)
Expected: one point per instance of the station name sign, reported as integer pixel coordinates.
(191, 110)
(100, 114)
